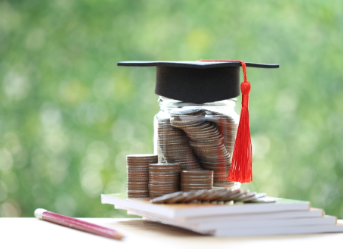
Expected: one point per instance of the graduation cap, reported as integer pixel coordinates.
(196, 81)
(209, 81)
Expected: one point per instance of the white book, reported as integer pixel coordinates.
(278, 230)
(204, 227)
(173, 211)
(312, 213)
(326, 220)
(258, 231)
(283, 217)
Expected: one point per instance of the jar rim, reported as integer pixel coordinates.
(168, 102)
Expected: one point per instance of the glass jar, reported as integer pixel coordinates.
(198, 136)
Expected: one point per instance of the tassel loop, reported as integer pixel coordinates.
(245, 89)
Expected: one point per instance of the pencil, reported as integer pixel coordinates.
(84, 226)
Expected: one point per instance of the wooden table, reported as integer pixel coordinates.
(142, 234)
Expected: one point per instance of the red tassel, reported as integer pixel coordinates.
(241, 166)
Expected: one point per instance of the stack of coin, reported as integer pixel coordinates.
(138, 174)
(175, 148)
(227, 126)
(164, 178)
(207, 142)
(196, 180)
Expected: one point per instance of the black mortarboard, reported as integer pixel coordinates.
(196, 81)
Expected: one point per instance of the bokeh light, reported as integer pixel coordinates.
(69, 115)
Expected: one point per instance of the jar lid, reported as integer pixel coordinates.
(196, 81)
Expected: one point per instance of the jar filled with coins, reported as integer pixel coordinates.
(196, 126)
(197, 136)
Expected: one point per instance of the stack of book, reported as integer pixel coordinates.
(233, 219)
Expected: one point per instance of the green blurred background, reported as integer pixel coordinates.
(69, 115)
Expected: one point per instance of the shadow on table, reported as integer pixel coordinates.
(159, 228)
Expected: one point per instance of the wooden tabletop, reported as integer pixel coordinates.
(143, 234)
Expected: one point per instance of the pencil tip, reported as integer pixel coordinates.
(118, 236)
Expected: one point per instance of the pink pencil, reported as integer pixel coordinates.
(43, 214)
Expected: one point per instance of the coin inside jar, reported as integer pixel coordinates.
(197, 137)
(174, 146)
